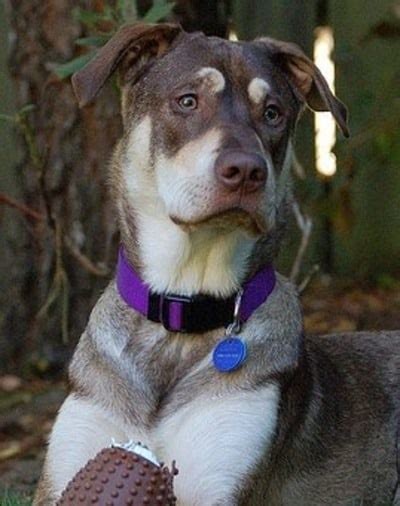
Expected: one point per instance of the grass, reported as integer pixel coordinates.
(8, 498)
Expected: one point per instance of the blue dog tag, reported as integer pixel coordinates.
(229, 354)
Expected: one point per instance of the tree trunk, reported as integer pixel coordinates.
(62, 175)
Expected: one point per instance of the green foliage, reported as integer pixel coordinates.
(159, 11)
(69, 68)
(126, 11)
(92, 18)
(8, 498)
(387, 282)
(95, 41)
(19, 116)
(104, 24)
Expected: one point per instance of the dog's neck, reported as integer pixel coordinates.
(172, 260)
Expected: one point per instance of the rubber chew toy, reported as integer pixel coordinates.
(122, 475)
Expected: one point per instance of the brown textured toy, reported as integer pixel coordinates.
(119, 477)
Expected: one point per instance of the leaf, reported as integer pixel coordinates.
(11, 399)
(67, 69)
(127, 11)
(7, 117)
(87, 17)
(11, 450)
(27, 108)
(94, 41)
(386, 281)
(160, 10)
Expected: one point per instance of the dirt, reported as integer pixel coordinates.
(26, 417)
(28, 408)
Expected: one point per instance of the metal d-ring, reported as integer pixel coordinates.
(235, 326)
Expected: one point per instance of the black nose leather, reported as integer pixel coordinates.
(239, 170)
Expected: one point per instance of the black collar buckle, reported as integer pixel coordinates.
(175, 312)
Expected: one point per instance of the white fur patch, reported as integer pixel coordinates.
(217, 441)
(258, 89)
(186, 181)
(194, 159)
(213, 78)
(179, 262)
(137, 158)
(183, 186)
(175, 260)
(81, 430)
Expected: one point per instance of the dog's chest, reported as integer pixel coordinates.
(165, 363)
(217, 440)
(215, 428)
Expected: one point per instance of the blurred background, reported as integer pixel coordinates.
(58, 236)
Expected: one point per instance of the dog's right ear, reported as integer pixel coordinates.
(307, 79)
(137, 41)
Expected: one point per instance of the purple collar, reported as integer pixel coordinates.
(196, 314)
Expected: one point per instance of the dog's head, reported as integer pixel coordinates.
(208, 122)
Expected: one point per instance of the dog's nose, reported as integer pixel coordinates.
(236, 169)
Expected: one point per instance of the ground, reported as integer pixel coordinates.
(28, 407)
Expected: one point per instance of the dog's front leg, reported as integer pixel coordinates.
(81, 430)
(218, 440)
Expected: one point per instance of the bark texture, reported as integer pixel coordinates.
(62, 175)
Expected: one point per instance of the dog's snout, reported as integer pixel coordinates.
(239, 170)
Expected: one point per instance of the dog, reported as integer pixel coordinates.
(254, 412)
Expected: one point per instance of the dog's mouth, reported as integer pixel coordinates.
(227, 220)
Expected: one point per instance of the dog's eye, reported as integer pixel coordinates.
(272, 114)
(188, 102)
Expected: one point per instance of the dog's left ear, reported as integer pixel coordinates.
(307, 80)
(131, 42)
